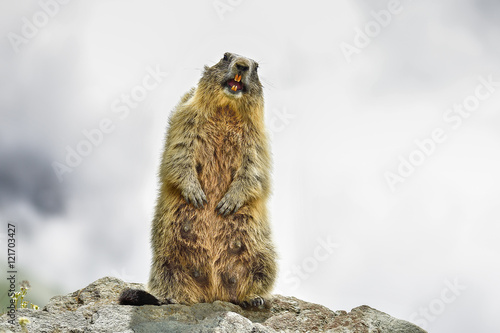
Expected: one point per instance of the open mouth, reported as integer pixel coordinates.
(235, 85)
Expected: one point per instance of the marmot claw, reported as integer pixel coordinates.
(255, 302)
(194, 195)
(229, 205)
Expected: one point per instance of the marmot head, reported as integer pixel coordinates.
(232, 80)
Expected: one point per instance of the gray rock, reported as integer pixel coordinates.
(94, 309)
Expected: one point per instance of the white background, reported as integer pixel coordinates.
(339, 124)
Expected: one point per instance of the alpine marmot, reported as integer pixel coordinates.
(210, 236)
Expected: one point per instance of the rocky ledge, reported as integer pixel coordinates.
(95, 309)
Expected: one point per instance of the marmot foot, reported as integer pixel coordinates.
(254, 301)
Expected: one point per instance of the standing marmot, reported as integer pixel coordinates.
(210, 236)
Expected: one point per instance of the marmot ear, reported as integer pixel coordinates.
(205, 68)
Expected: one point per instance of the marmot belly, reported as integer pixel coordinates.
(215, 254)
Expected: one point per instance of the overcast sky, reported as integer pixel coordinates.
(384, 117)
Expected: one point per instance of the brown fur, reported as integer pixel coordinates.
(211, 238)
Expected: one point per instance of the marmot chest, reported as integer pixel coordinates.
(219, 153)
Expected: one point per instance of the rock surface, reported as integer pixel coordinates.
(95, 309)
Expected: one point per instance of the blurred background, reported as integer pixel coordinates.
(384, 118)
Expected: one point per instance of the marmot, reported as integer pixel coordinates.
(210, 236)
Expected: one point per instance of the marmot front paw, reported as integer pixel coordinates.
(195, 195)
(229, 204)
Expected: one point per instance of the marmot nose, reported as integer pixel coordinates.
(242, 66)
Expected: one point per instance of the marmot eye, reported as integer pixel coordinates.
(226, 56)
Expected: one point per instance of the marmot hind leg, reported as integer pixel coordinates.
(257, 282)
(185, 284)
(258, 292)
